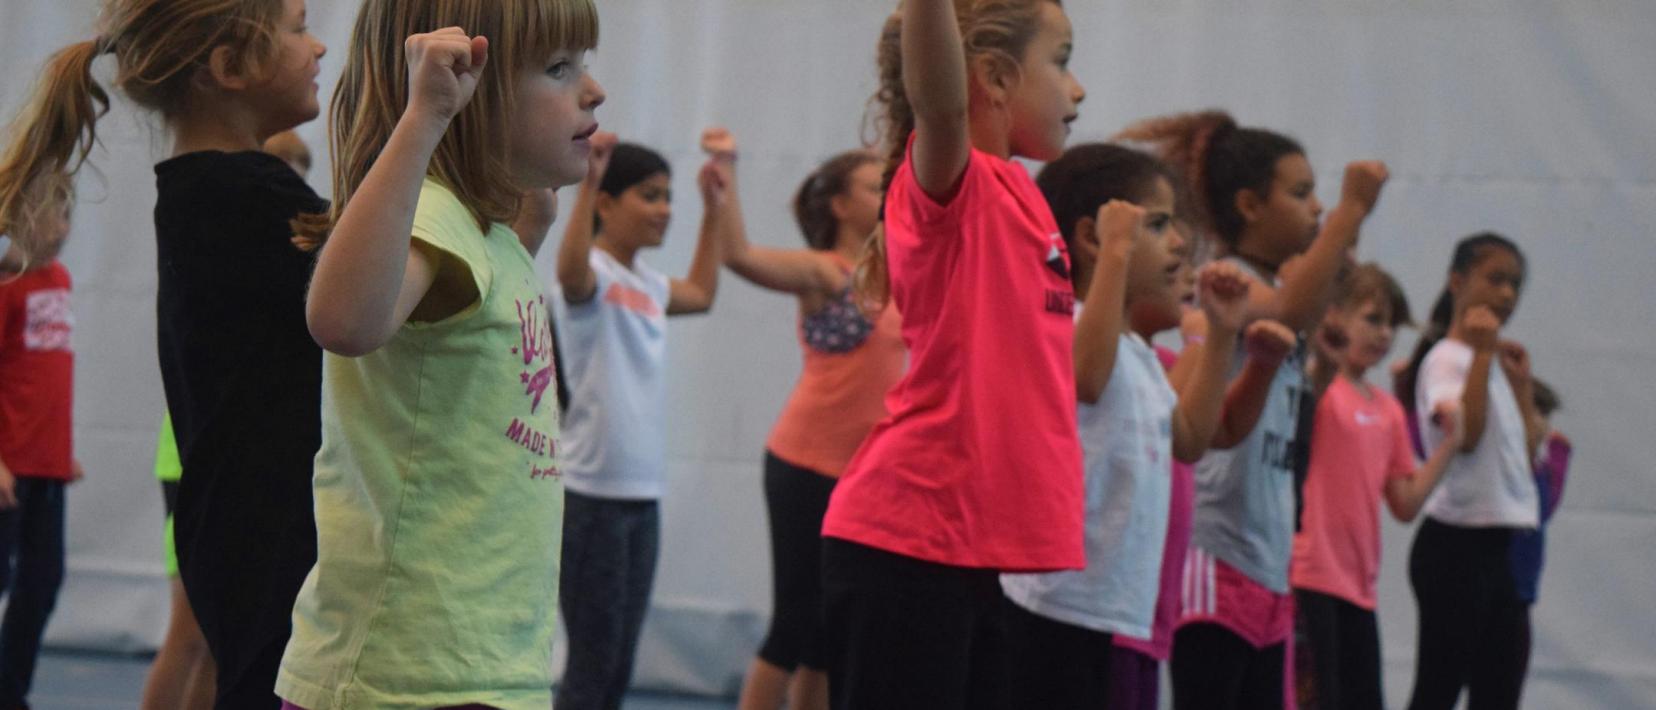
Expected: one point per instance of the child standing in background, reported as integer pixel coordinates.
(182, 675)
(851, 361)
(1552, 464)
(1360, 454)
(978, 468)
(612, 311)
(1473, 621)
(1254, 193)
(241, 372)
(438, 499)
(1117, 208)
(37, 462)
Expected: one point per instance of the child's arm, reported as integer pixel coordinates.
(1478, 328)
(535, 218)
(721, 214)
(1557, 467)
(368, 279)
(934, 79)
(8, 488)
(575, 275)
(1224, 298)
(1407, 494)
(1326, 362)
(1299, 301)
(1515, 362)
(1268, 344)
(1098, 329)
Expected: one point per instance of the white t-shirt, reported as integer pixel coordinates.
(1492, 486)
(614, 348)
(1127, 438)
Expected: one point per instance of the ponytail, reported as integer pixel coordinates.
(1469, 252)
(49, 143)
(1218, 159)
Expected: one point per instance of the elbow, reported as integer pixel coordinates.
(1405, 513)
(338, 337)
(1088, 390)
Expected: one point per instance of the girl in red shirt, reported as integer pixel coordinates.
(977, 469)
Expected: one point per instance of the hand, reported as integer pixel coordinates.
(1515, 361)
(1118, 226)
(1449, 417)
(8, 489)
(443, 71)
(1223, 293)
(714, 180)
(1363, 180)
(76, 473)
(719, 143)
(603, 147)
(1330, 342)
(1268, 342)
(1480, 327)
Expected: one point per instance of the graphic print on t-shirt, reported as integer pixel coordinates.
(1060, 301)
(48, 322)
(631, 299)
(535, 346)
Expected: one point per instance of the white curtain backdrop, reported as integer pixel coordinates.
(1528, 117)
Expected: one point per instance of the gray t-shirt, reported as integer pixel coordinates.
(1245, 494)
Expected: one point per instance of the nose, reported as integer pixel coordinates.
(594, 95)
(1078, 93)
(1176, 243)
(1316, 206)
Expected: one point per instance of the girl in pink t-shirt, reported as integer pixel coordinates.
(1360, 453)
(977, 469)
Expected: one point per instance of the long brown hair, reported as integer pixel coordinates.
(813, 203)
(158, 46)
(1001, 29)
(471, 159)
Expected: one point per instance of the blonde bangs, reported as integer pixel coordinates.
(471, 160)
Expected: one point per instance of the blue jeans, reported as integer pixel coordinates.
(609, 561)
(32, 535)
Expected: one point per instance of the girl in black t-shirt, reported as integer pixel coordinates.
(242, 374)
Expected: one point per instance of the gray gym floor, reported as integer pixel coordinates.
(81, 681)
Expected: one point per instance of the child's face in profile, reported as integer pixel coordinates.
(552, 121)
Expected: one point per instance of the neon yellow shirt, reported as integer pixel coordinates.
(439, 507)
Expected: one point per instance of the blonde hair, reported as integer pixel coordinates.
(158, 45)
(471, 158)
(1001, 29)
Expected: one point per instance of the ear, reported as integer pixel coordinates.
(1250, 205)
(221, 71)
(1457, 282)
(839, 206)
(993, 77)
(603, 204)
(1085, 237)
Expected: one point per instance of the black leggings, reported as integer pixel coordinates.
(1339, 662)
(1473, 627)
(796, 498)
(906, 634)
(1215, 669)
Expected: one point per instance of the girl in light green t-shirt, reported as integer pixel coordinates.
(438, 498)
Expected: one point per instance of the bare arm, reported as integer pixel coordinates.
(722, 214)
(934, 78)
(1299, 301)
(1268, 343)
(1405, 496)
(575, 275)
(368, 278)
(1098, 329)
(1224, 293)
